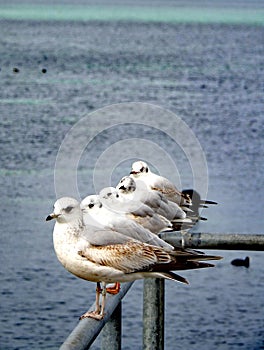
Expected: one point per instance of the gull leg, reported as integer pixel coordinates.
(103, 301)
(97, 298)
(96, 313)
(115, 289)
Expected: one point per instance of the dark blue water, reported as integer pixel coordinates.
(209, 75)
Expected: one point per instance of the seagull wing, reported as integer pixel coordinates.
(130, 228)
(103, 237)
(163, 185)
(143, 210)
(128, 257)
(135, 256)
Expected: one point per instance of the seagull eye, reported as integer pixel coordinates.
(117, 196)
(68, 209)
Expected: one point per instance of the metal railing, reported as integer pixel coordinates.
(88, 329)
(218, 241)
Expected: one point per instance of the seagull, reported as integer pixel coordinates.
(138, 193)
(138, 212)
(97, 214)
(154, 199)
(140, 171)
(104, 256)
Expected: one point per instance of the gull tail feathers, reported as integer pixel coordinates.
(205, 257)
(173, 277)
(186, 209)
(182, 265)
(180, 224)
(187, 255)
(205, 201)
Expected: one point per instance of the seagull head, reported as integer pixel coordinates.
(90, 202)
(108, 193)
(139, 168)
(126, 185)
(66, 210)
(109, 197)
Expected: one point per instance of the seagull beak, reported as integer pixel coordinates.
(51, 216)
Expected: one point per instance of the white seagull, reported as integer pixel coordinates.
(105, 256)
(140, 171)
(138, 192)
(154, 199)
(136, 211)
(97, 214)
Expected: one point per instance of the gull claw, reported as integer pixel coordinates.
(92, 314)
(114, 289)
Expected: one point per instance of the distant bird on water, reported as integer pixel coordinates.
(241, 262)
(105, 256)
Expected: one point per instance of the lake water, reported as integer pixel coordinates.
(209, 71)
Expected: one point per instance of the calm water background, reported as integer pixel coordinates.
(210, 74)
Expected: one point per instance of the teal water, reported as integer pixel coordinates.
(147, 13)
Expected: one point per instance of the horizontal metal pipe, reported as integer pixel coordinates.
(88, 329)
(224, 241)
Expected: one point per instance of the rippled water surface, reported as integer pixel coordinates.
(210, 75)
